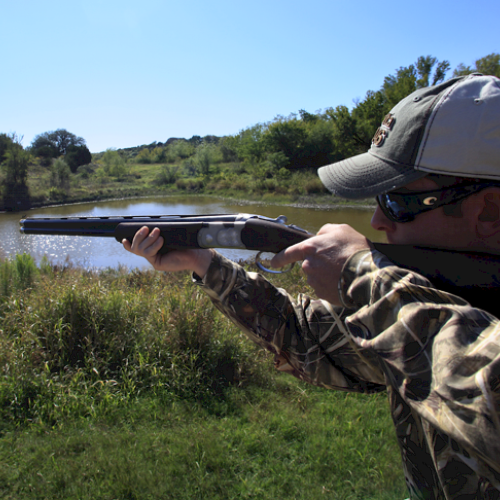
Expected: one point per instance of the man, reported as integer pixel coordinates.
(433, 166)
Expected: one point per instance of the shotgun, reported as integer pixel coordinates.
(474, 276)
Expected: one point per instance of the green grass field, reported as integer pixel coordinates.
(129, 385)
(287, 443)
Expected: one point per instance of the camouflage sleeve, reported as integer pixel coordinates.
(307, 336)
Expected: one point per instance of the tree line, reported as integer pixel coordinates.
(61, 151)
(307, 140)
(300, 141)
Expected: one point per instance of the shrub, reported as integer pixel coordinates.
(144, 157)
(314, 186)
(270, 185)
(167, 175)
(76, 156)
(113, 164)
(240, 184)
(85, 171)
(284, 173)
(56, 194)
(192, 185)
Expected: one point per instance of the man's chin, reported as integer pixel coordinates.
(402, 241)
(392, 241)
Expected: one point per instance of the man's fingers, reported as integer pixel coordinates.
(139, 236)
(151, 246)
(145, 243)
(126, 244)
(289, 255)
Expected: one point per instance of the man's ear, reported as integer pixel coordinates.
(488, 219)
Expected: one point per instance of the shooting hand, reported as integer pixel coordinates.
(324, 256)
(147, 244)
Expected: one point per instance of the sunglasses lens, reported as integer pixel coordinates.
(395, 208)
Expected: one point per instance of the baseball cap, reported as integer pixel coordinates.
(451, 129)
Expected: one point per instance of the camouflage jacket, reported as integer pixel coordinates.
(437, 357)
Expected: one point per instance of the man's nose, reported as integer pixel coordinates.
(381, 223)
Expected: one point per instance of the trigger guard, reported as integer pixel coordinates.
(259, 264)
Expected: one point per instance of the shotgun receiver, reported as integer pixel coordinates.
(475, 276)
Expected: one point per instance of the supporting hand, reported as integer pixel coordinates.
(147, 244)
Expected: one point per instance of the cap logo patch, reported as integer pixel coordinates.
(383, 131)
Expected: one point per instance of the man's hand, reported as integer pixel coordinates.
(147, 245)
(324, 256)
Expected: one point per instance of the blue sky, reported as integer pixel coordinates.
(122, 73)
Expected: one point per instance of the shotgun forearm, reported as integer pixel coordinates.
(254, 234)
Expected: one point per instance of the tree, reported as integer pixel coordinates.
(229, 148)
(416, 76)
(277, 161)
(113, 164)
(307, 117)
(368, 114)
(398, 86)
(60, 174)
(204, 157)
(53, 144)
(487, 65)
(424, 67)
(346, 141)
(15, 189)
(76, 156)
(64, 139)
(249, 144)
(319, 147)
(181, 149)
(144, 156)
(196, 140)
(6, 142)
(288, 136)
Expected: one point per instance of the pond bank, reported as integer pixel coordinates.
(321, 202)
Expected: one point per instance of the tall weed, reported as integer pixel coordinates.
(26, 271)
(17, 274)
(79, 340)
(6, 278)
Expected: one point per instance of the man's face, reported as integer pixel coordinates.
(432, 228)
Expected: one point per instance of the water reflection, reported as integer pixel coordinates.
(107, 252)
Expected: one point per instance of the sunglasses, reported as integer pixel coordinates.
(403, 207)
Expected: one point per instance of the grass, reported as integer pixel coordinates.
(129, 385)
(277, 445)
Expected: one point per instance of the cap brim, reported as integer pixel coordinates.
(366, 176)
